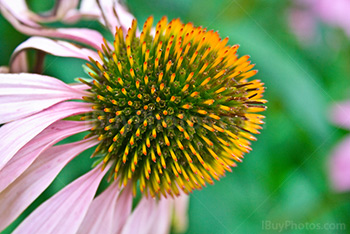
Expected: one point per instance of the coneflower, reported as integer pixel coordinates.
(168, 109)
(174, 108)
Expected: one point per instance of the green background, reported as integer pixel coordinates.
(285, 178)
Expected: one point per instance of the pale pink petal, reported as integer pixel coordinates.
(80, 87)
(108, 212)
(20, 19)
(125, 18)
(28, 153)
(65, 211)
(4, 69)
(340, 166)
(303, 24)
(63, 6)
(24, 94)
(115, 15)
(19, 9)
(180, 218)
(122, 209)
(162, 220)
(61, 9)
(110, 13)
(15, 135)
(142, 217)
(54, 47)
(27, 187)
(87, 10)
(340, 114)
(20, 64)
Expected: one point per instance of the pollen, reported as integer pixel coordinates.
(174, 109)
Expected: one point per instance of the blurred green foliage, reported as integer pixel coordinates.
(285, 177)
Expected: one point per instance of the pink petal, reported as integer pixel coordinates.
(142, 217)
(27, 187)
(162, 220)
(110, 12)
(340, 114)
(80, 87)
(61, 9)
(19, 9)
(28, 153)
(15, 135)
(54, 47)
(19, 17)
(23, 94)
(124, 16)
(20, 64)
(123, 209)
(4, 69)
(87, 10)
(108, 212)
(63, 6)
(180, 218)
(340, 166)
(65, 211)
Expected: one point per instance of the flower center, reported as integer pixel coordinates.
(173, 110)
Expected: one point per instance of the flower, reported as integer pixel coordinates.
(304, 15)
(168, 109)
(340, 158)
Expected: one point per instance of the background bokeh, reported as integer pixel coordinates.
(285, 178)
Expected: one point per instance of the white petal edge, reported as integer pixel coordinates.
(25, 94)
(28, 186)
(16, 134)
(28, 153)
(64, 212)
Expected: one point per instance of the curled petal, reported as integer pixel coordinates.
(108, 212)
(65, 211)
(36, 179)
(340, 114)
(61, 9)
(28, 153)
(19, 17)
(23, 94)
(16, 134)
(340, 166)
(57, 48)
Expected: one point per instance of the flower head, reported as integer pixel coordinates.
(173, 108)
(168, 109)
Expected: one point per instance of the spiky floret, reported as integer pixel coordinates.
(173, 109)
